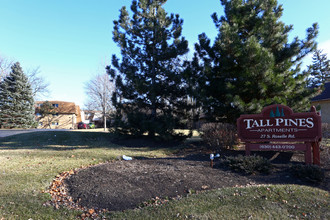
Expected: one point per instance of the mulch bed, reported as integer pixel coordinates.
(121, 185)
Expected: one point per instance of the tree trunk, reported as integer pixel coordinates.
(152, 132)
(105, 122)
(49, 121)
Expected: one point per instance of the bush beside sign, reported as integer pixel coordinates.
(278, 128)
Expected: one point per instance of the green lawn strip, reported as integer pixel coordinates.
(257, 202)
(29, 162)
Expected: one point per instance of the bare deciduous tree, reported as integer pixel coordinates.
(46, 110)
(5, 65)
(99, 92)
(38, 83)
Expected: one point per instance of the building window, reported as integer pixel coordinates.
(55, 123)
(55, 105)
(56, 114)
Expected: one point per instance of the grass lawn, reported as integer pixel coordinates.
(257, 202)
(29, 162)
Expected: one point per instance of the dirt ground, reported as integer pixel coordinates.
(124, 185)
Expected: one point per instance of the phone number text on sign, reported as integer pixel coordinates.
(277, 147)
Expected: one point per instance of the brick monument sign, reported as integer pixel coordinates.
(278, 128)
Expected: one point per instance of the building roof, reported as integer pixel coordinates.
(324, 95)
(63, 107)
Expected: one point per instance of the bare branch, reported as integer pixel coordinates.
(99, 92)
(38, 83)
(5, 65)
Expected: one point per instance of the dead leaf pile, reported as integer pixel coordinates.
(60, 197)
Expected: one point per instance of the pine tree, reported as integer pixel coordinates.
(320, 69)
(251, 63)
(150, 90)
(16, 100)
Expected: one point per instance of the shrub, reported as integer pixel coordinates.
(309, 173)
(325, 130)
(325, 155)
(219, 135)
(325, 144)
(248, 164)
(139, 124)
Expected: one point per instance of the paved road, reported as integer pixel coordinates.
(5, 132)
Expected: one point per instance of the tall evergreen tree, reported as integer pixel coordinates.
(150, 90)
(251, 63)
(16, 100)
(320, 69)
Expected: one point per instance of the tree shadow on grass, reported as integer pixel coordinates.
(71, 140)
(58, 140)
